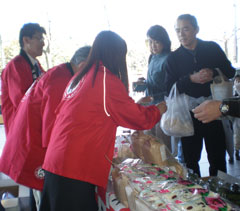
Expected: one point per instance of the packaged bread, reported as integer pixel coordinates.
(138, 138)
(154, 151)
(175, 166)
(131, 196)
(119, 184)
(122, 149)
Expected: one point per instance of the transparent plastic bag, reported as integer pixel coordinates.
(222, 87)
(177, 121)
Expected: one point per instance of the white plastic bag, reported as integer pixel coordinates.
(222, 87)
(177, 121)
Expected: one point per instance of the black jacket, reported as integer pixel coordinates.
(234, 106)
(182, 62)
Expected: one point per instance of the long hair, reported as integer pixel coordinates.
(160, 34)
(110, 49)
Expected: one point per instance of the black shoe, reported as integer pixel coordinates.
(237, 155)
(231, 161)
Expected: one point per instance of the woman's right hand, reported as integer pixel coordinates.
(145, 100)
(162, 107)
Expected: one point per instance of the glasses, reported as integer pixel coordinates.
(40, 39)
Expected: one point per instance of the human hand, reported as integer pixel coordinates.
(207, 111)
(203, 76)
(162, 107)
(145, 100)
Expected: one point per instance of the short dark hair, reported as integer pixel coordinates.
(192, 19)
(80, 55)
(110, 49)
(160, 34)
(28, 30)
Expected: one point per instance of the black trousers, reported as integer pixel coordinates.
(64, 194)
(214, 137)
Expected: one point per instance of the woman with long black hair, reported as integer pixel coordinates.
(81, 147)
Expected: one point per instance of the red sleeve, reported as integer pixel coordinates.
(124, 111)
(19, 79)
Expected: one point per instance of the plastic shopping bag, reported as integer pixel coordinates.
(177, 121)
(222, 87)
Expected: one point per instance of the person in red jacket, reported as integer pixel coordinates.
(21, 71)
(94, 104)
(28, 137)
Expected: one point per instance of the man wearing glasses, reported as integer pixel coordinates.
(22, 70)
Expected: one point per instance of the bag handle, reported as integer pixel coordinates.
(173, 91)
(222, 76)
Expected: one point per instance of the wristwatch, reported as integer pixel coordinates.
(224, 108)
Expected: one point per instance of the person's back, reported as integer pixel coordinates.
(24, 140)
(95, 102)
(92, 115)
(28, 137)
(21, 71)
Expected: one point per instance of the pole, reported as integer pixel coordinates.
(235, 58)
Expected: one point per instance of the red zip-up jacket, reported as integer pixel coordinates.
(26, 143)
(16, 79)
(82, 140)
